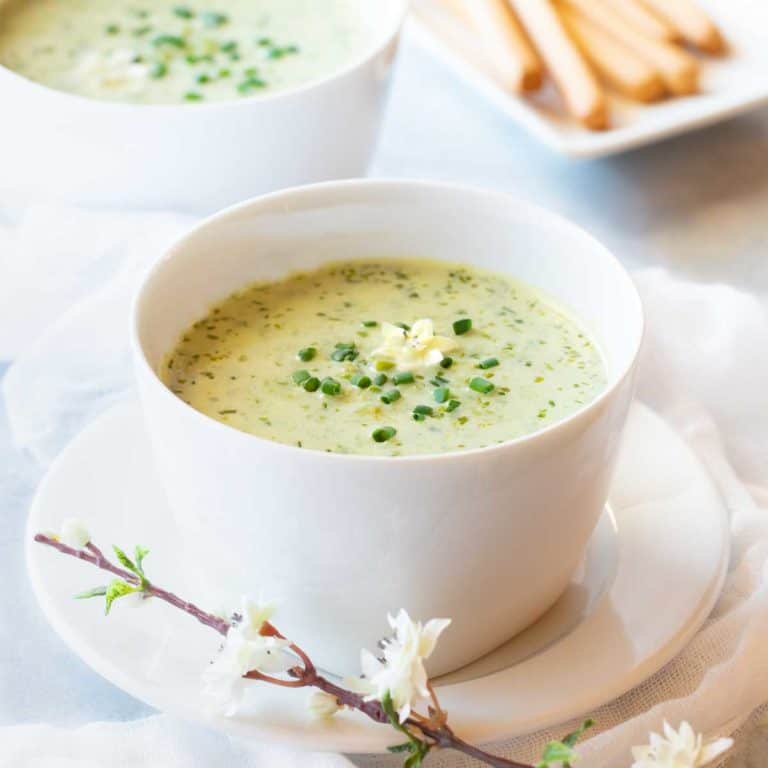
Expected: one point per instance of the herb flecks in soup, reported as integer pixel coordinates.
(390, 357)
(166, 51)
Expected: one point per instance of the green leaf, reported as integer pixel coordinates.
(571, 739)
(125, 561)
(557, 752)
(95, 592)
(140, 553)
(562, 752)
(419, 749)
(414, 761)
(136, 568)
(116, 589)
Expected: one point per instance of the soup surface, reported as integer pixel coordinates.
(319, 361)
(171, 51)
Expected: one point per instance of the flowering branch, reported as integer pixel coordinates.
(90, 553)
(427, 732)
(387, 692)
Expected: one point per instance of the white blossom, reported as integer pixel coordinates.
(678, 749)
(412, 349)
(254, 613)
(322, 705)
(402, 673)
(74, 533)
(244, 650)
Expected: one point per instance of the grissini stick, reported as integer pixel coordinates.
(575, 80)
(694, 24)
(645, 20)
(622, 69)
(678, 69)
(505, 41)
(451, 31)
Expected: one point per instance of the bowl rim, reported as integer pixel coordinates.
(551, 431)
(380, 43)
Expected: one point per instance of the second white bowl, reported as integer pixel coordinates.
(58, 147)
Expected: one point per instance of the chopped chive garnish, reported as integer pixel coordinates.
(158, 70)
(460, 327)
(382, 434)
(489, 362)
(141, 31)
(438, 381)
(172, 40)
(251, 84)
(370, 323)
(481, 385)
(384, 365)
(446, 362)
(203, 78)
(330, 386)
(390, 396)
(380, 380)
(264, 41)
(277, 52)
(229, 46)
(225, 72)
(312, 384)
(306, 354)
(362, 381)
(300, 376)
(112, 29)
(344, 351)
(251, 72)
(452, 405)
(214, 19)
(183, 12)
(441, 394)
(193, 96)
(424, 410)
(227, 412)
(405, 377)
(404, 326)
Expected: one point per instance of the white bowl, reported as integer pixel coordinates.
(60, 147)
(488, 537)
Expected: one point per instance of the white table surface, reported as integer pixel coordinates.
(697, 205)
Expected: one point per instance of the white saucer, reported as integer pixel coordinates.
(652, 574)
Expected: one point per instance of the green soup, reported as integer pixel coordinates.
(171, 51)
(341, 359)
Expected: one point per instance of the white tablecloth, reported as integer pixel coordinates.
(693, 207)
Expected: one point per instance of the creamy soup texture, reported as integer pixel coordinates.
(345, 359)
(167, 51)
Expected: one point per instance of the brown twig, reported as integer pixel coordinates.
(92, 554)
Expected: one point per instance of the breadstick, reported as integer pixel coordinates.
(678, 69)
(620, 68)
(694, 24)
(574, 78)
(505, 42)
(451, 32)
(645, 21)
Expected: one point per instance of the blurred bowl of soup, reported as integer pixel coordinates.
(191, 106)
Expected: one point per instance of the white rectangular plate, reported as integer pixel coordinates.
(731, 85)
